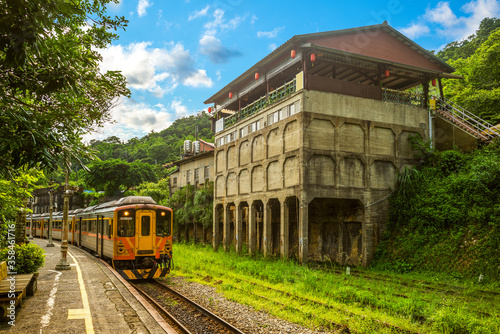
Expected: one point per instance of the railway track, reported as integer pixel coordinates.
(327, 323)
(184, 315)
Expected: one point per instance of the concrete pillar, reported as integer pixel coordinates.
(252, 229)
(367, 230)
(215, 236)
(239, 228)
(284, 230)
(303, 231)
(267, 233)
(227, 227)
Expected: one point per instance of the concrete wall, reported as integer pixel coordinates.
(333, 158)
(197, 162)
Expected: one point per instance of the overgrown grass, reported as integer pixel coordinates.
(445, 216)
(368, 301)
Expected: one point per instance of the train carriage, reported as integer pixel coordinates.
(134, 233)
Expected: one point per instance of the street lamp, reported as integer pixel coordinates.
(63, 263)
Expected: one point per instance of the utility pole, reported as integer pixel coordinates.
(63, 263)
(51, 210)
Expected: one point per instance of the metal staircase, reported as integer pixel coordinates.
(466, 120)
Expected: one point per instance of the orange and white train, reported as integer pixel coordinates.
(133, 233)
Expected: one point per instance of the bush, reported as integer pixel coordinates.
(28, 258)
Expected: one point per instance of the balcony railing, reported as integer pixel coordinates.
(403, 97)
(274, 96)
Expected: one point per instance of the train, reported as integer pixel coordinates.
(133, 233)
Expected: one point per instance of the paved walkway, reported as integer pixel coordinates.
(89, 298)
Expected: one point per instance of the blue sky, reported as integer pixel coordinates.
(176, 54)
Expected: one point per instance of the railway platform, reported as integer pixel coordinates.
(88, 298)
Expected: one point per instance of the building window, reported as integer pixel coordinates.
(196, 175)
(206, 172)
(174, 181)
(188, 176)
(273, 118)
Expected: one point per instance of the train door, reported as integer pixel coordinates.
(73, 230)
(102, 237)
(144, 235)
(80, 231)
(97, 235)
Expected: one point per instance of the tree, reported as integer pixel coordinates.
(479, 92)
(159, 191)
(116, 176)
(51, 89)
(14, 195)
(466, 48)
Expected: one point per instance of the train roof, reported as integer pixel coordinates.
(130, 200)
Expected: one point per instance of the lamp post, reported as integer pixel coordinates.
(63, 263)
(51, 210)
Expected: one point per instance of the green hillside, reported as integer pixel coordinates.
(156, 147)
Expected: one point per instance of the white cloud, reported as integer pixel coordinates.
(142, 6)
(253, 19)
(212, 46)
(456, 25)
(270, 34)
(157, 70)
(200, 13)
(198, 79)
(179, 109)
(416, 30)
(134, 119)
(219, 23)
(273, 46)
(216, 52)
(441, 14)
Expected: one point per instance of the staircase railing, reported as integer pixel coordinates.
(479, 126)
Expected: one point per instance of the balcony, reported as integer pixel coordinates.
(274, 96)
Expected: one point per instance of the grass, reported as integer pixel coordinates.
(325, 297)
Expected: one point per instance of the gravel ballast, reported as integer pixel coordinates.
(244, 317)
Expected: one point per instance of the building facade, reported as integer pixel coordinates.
(196, 166)
(310, 139)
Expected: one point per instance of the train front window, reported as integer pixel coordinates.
(145, 226)
(125, 226)
(163, 219)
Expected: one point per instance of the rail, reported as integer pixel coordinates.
(261, 103)
(475, 124)
(403, 97)
(229, 328)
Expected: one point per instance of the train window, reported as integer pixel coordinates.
(126, 223)
(93, 223)
(110, 228)
(163, 219)
(145, 226)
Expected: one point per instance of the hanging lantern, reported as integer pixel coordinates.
(257, 76)
(387, 73)
(230, 95)
(209, 110)
(313, 57)
(292, 54)
(434, 82)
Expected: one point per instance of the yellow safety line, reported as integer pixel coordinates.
(85, 312)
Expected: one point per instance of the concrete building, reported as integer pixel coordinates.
(309, 141)
(195, 167)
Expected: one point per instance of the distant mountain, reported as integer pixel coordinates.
(157, 147)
